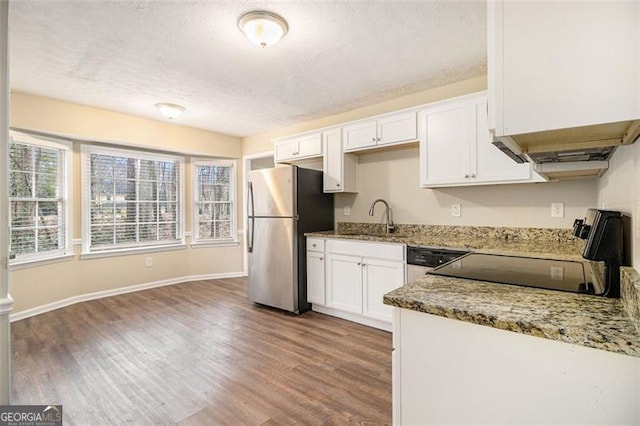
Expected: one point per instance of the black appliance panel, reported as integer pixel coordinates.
(549, 274)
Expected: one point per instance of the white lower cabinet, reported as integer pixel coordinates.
(315, 277)
(315, 271)
(456, 372)
(357, 276)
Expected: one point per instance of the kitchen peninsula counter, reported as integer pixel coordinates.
(591, 321)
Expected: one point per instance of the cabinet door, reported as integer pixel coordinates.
(285, 150)
(310, 145)
(379, 278)
(565, 75)
(447, 133)
(332, 145)
(359, 135)
(491, 165)
(315, 277)
(397, 128)
(344, 282)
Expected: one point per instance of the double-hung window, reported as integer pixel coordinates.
(39, 197)
(132, 199)
(214, 201)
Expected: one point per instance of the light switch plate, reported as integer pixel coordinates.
(346, 211)
(557, 209)
(456, 210)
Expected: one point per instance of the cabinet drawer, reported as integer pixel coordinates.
(366, 249)
(315, 244)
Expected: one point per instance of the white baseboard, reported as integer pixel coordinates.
(360, 319)
(116, 291)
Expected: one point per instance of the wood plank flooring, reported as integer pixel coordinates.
(200, 353)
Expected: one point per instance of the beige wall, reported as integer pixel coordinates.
(619, 189)
(394, 176)
(44, 284)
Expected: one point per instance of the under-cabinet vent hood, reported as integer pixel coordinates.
(578, 152)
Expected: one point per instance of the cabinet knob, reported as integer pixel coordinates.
(472, 175)
(322, 258)
(313, 245)
(377, 139)
(337, 184)
(364, 264)
(373, 139)
(466, 176)
(359, 264)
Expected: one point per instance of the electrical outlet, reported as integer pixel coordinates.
(346, 211)
(557, 209)
(456, 210)
(148, 262)
(557, 273)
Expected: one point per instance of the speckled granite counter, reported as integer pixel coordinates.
(590, 321)
(533, 242)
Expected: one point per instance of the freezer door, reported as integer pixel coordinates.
(271, 192)
(272, 264)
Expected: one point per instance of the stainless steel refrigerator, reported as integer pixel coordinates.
(283, 203)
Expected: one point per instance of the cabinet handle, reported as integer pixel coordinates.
(377, 139)
(313, 245)
(466, 176)
(472, 175)
(364, 264)
(337, 184)
(322, 258)
(373, 139)
(359, 264)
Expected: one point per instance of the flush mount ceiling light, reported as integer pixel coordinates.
(170, 111)
(263, 28)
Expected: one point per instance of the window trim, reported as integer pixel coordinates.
(196, 241)
(140, 154)
(66, 188)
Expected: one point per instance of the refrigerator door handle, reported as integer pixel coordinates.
(251, 218)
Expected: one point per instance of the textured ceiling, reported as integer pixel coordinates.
(128, 55)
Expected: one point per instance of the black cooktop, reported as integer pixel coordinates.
(563, 275)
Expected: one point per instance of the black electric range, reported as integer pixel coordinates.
(564, 275)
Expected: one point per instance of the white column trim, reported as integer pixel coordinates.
(6, 304)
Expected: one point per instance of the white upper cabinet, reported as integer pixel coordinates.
(300, 147)
(562, 64)
(456, 149)
(340, 170)
(386, 130)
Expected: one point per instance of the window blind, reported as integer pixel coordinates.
(37, 197)
(133, 200)
(214, 200)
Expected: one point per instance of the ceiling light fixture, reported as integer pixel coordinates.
(170, 111)
(263, 28)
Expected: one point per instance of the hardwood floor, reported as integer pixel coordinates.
(200, 353)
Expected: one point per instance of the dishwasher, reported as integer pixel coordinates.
(421, 260)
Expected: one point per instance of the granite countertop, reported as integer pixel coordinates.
(591, 321)
(490, 245)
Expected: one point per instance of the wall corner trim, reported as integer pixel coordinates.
(117, 291)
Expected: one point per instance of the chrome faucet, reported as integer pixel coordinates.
(390, 226)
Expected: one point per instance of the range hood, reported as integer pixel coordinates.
(578, 152)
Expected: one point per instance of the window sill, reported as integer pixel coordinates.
(221, 243)
(131, 251)
(18, 264)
